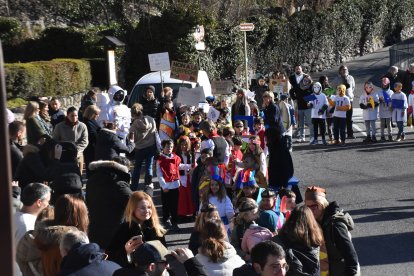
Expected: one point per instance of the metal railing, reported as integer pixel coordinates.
(402, 54)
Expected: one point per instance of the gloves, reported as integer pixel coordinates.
(324, 107)
(310, 105)
(332, 110)
(320, 111)
(362, 106)
(376, 104)
(369, 105)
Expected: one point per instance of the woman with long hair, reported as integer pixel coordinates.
(36, 127)
(301, 238)
(207, 212)
(217, 255)
(141, 224)
(241, 107)
(71, 211)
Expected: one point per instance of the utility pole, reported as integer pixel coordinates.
(246, 27)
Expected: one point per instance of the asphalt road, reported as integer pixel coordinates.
(374, 182)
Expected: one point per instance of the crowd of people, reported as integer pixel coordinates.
(232, 176)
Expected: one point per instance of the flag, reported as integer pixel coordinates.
(371, 101)
(387, 97)
(309, 98)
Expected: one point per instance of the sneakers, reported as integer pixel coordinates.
(300, 140)
(314, 142)
(367, 139)
(402, 137)
(374, 139)
(324, 142)
(383, 139)
(342, 144)
(390, 138)
(335, 142)
(398, 138)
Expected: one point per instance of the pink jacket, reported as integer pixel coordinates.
(253, 236)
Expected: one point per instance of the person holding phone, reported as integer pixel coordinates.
(141, 225)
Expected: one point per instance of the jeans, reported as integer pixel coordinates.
(146, 154)
(304, 117)
(400, 125)
(370, 126)
(386, 123)
(339, 128)
(329, 127)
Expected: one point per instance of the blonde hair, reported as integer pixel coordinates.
(90, 111)
(342, 89)
(136, 110)
(132, 204)
(247, 203)
(269, 94)
(30, 110)
(203, 216)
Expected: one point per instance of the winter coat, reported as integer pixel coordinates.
(28, 256)
(237, 236)
(35, 129)
(16, 156)
(107, 194)
(33, 169)
(301, 259)
(258, 95)
(349, 83)
(56, 116)
(109, 145)
(145, 132)
(342, 257)
(86, 260)
(93, 129)
(67, 180)
(225, 266)
(150, 108)
(116, 249)
(245, 270)
(77, 133)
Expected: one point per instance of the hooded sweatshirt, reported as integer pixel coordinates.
(144, 130)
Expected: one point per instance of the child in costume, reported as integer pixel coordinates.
(168, 122)
(259, 130)
(260, 158)
(399, 108)
(168, 172)
(342, 104)
(410, 105)
(369, 102)
(185, 204)
(385, 108)
(270, 215)
(197, 176)
(216, 195)
(318, 115)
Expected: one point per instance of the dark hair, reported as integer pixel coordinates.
(33, 192)
(15, 127)
(286, 192)
(258, 120)
(197, 113)
(166, 142)
(237, 140)
(71, 109)
(213, 240)
(71, 211)
(228, 131)
(263, 249)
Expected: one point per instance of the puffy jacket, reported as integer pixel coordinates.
(107, 194)
(150, 108)
(253, 235)
(109, 145)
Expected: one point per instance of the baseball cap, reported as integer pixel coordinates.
(150, 252)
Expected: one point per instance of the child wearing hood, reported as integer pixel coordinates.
(369, 102)
(319, 107)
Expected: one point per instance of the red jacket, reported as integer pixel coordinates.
(169, 167)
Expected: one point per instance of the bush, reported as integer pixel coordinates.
(11, 31)
(47, 78)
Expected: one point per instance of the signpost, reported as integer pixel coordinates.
(159, 62)
(246, 27)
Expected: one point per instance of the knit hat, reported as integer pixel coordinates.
(150, 252)
(151, 87)
(313, 192)
(268, 219)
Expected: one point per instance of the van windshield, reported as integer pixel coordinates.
(139, 90)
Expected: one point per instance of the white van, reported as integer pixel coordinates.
(155, 80)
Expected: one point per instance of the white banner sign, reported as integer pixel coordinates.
(159, 61)
(213, 114)
(222, 87)
(191, 96)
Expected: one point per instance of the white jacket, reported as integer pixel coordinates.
(224, 268)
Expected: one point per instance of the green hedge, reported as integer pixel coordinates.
(47, 78)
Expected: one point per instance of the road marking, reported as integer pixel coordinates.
(359, 129)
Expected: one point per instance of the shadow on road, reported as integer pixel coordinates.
(359, 146)
(383, 214)
(385, 249)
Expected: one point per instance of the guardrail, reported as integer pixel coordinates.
(402, 54)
